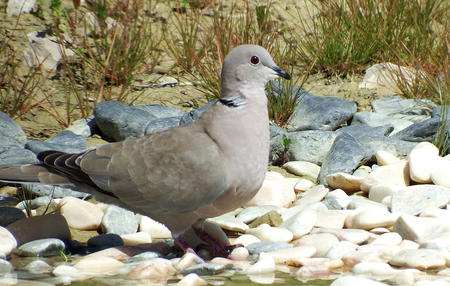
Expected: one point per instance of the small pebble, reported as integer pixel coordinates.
(344, 181)
(266, 232)
(385, 158)
(157, 269)
(303, 168)
(38, 267)
(396, 174)
(136, 238)
(239, 253)
(322, 242)
(371, 218)
(192, 279)
(98, 264)
(7, 242)
(303, 185)
(356, 281)
(155, 229)
(292, 256)
(421, 161)
(80, 214)
(41, 247)
(422, 259)
(246, 239)
(265, 264)
(301, 223)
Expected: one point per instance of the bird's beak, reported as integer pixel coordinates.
(281, 73)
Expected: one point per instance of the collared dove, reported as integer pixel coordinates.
(185, 174)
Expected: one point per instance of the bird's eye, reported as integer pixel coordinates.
(254, 60)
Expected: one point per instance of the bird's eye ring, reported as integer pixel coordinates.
(254, 60)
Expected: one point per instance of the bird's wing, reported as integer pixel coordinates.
(175, 171)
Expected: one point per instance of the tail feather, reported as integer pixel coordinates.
(30, 174)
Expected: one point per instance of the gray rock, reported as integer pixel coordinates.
(396, 105)
(9, 128)
(160, 111)
(420, 131)
(144, 256)
(119, 121)
(162, 124)
(53, 191)
(345, 155)
(276, 130)
(206, 269)
(397, 147)
(41, 247)
(7, 201)
(9, 215)
(311, 146)
(64, 141)
(105, 241)
(5, 266)
(419, 197)
(438, 109)
(258, 247)
(363, 131)
(119, 221)
(12, 155)
(194, 114)
(84, 127)
(320, 113)
(374, 119)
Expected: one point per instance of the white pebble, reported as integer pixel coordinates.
(371, 218)
(154, 228)
(265, 264)
(385, 158)
(303, 168)
(390, 238)
(136, 238)
(303, 185)
(344, 181)
(192, 279)
(246, 239)
(419, 258)
(378, 192)
(421, 160)
(356, 281)
(340, 196)
(266, 232)
(340, 249)
(322, 242)
(331, 218)
(98, 264)
(7, 242)
(276, 192)
(301, 223)
(379, 269)
(80, 214)
(440, 172)
(292, 256)
(239, 253)
(313, 195)
(396, 174)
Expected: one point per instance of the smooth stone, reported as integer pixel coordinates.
(64, 141)
(311, 146)
(290, 212)
(292, 256)
(340, 249)
(41, 247)
(356, 236)
(337, 199)
(386, 158)
(419, 258)
(251, 213)
(192, 279)
(363, 130)
(349, 183)
(155, 229)
(315, 194)
(69, 271)
(105, 241)
(420, 229)
(360, 202)
(83, 127)
(320, 112)
(206, 268)
(40, 227)
(273, 192)
(119, 121)
(9, 128)
(303, 185)
(392, 145)
(239, 254)
(440, 172)
(143, 256)
(265, 264)
(7, 242)
(395, 174)
(356, 281)
(258, 247)
(13, 155)
(38, 267)
(119, 221)
(345, 155)
(373, 119)
(301, 223)
(5, 267)
(322, 242)
(331, 219)
(379, 230)
(268, 233)
(394, 105)
(160, 111)
(303, 168)
(377, 193)
(246, 240)
(187, 260)
(417, 198)
(9, 215)
(370, 218)
(421, 161)
(436, 213)
(82, 215)
(374, 269)
(390, 238)
(424, 130)
(161, 124)
(362, 171)
(98, 264)
(53, 191)
(136, 238)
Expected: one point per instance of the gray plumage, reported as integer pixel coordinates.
(186, 173)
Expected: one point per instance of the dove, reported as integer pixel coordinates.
(186, 174)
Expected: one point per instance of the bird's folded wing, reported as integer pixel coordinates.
(168, 172)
